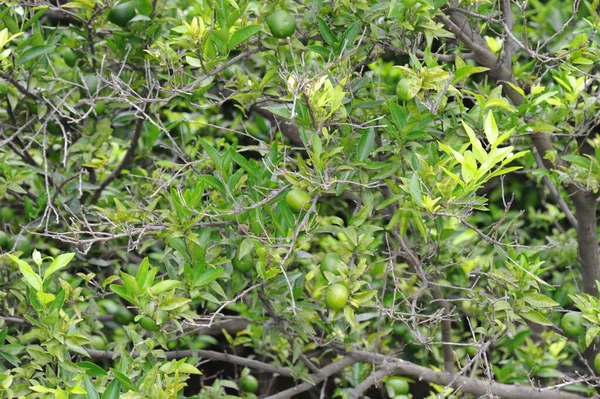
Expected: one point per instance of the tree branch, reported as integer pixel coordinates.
(371, 380)
(508, 43)
(465, 384)
(436, 292)
(205, 354)
(125, 162)
(554, 193)
(587, 238)
(19, 87)
(390, 365)
(287, 127)
(327, 371)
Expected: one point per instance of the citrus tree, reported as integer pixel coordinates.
(276, 199)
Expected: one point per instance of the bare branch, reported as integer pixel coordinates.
(126, 159)
(371, 380)
(508, 43)
(465, 384)
(555, 193)
(326, 371)
(206, 354)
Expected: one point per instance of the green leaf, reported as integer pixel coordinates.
(174, 303)
(58, 301)
(31, 277)
(130, 283)
(142, 273)
(92, 369)
(539, 301)
(590, 334)
(212, 153)
(188, 369)
(326, 33)
(209, 297)
(163, 286)
(415, 190)
(502, 305)
(243, 34)
(123, 293)
(480, 154)
(34, 53)
(10, 23)
(58, 263)
(578, 160)
(90, 389)
(123, 379)
(179, 245)
(32, 20)
(350, 35)
(536, 317)
(144, 7)
(365, 211)
(45, 297)
(207, 276)
(398, 115)
(319, 50)
(395, 219)
(113, 390)
(183, 213)
(12, 359)
(349, 315)
(490, 128)
(193, 61)
(366, 144)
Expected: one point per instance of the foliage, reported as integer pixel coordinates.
(189, 194)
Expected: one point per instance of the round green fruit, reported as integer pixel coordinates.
(597, 363)
(122, 13)
(23, 245)
(243, 265)
(6, 214)
(249, 384)
(409, 3)
(336, 296)
(330, 263)
(572, 324)
(6, 242)
(396, 386)
(69, 56)
(3, 239)
(148, 324)
(97, 342)
(401, 397)
(3, 87)
(407, 89)
(281, 24)
(298, 200)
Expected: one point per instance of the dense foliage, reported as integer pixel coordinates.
(276, 199)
